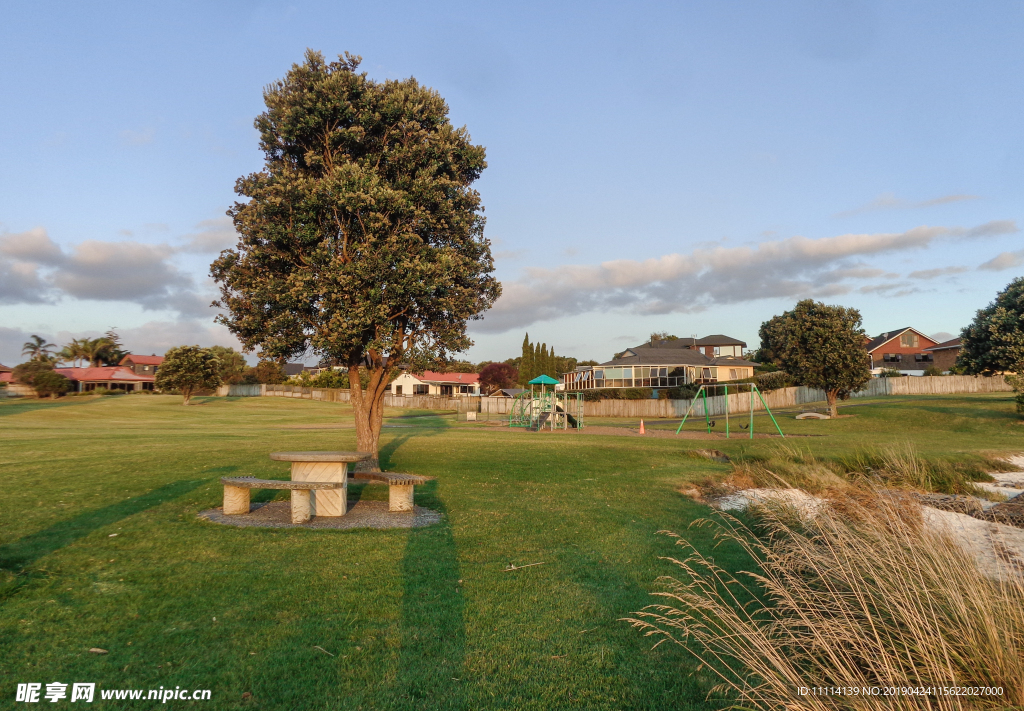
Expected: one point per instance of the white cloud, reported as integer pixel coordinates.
(797, 267)
(211, 237)
(889, 201)
(933, 273)
(1006, 260)
(34, 269)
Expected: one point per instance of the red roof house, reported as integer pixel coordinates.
(431, 383)
(114, 377)
(905, 349)
(142, 365)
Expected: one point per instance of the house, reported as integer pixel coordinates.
(5, 369)
(431, 383)
(905, 350)
(293, 369)
(667, 364)
(944, 354)
(142, 365)
(113, 377)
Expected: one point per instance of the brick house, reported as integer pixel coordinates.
(905, 350)
(945, 353)
(114, 377)
(140, 364)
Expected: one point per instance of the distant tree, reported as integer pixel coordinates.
(26, 373)
(188, 369)
(232, 364)
(994, 341)
(362, 238)
(659, 336)
(497, 376)
(115, 350)
(52, 383)
(75, 352)
(38, 349)
(458, 366)
(821, 347)
(526, 361)
(265, 372)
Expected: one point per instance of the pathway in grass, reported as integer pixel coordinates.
(100, 546)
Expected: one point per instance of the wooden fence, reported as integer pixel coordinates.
(738, 403)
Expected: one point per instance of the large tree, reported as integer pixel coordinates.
(361, 240)
(38, 349)
(994, 341)
(821, 347)
(495, 376)
(188, 369)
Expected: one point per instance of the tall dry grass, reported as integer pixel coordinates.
(860, 595)
(897, 466)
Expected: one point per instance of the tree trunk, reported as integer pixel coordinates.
(831, 396)
(368, 409)
(186, 394)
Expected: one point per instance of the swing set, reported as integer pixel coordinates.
(738, 389)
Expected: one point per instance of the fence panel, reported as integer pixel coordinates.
(738, 403)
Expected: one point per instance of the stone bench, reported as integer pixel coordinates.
(400, 493)
(237, 488)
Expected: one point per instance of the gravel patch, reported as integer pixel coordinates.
(361, 514)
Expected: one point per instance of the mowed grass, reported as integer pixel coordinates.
(419, 619)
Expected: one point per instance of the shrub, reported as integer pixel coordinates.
(26, 373)
(932, 371)
(890, 373)
(775, 380)
(618, 394)
(1017, 383)
(857, 594)
(51, 383)
(681, 392)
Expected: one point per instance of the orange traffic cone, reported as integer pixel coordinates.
(641, 427)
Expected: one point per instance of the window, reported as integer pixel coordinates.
(387, 388)
(398, 390)
(464, 389)
(718, 350)
(923, 357)
(446, 389)
(420, 389)
(891, 358)
(734, 374)
(909, 340)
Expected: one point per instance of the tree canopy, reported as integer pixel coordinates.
(188, 369)
(36, 348)
(994, 341)
(819, 346)
(495, 376)
(361, 240)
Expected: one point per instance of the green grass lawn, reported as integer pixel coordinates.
(100, 546)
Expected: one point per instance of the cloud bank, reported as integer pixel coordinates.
(889, 201)
(797, 267)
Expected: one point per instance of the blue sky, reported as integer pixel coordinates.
(686, 167)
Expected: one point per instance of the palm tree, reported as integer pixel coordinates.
(75, 351)
(96, 350)
(38, 349)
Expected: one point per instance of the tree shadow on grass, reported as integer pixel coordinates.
(29, 405)
(433, 630)
(15, 556)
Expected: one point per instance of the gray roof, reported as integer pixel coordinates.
(720, 340)
(878, 341)
(662, 356)
(946, 345)
(726, 360)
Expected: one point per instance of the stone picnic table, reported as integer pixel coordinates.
(319, 485)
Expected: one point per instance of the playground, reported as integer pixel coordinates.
(513, 599)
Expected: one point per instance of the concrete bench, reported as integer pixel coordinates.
(400, 494)
(237, 488)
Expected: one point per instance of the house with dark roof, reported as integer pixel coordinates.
(667, 364)
(904, 349)
(944, 354)
(431, 383)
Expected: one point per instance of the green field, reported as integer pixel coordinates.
(419, 619)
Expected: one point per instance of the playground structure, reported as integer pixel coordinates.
(702, 397)
(544, 408)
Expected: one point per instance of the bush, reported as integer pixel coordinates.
(774, 380)
(264, 373)
(1017, 383)
(890, 373)
(932, 371)
(618, 394)
(26, 373)
(51, 383)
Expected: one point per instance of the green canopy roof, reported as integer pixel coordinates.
(543, 380)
